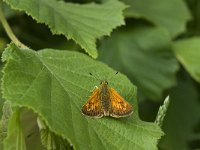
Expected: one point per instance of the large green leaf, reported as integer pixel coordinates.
(182, 116)
(55, 85)
(144, 55)
(170, 14)
(188, 53)
(82, 23)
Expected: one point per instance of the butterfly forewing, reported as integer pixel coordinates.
(93, 106)
(119, 107)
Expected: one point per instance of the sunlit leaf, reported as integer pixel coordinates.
(82, 23)
(188, 53)
(55, 86)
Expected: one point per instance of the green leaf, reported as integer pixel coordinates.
(188, 53)
(8, 12)
(144, 55)
(3, 43)
(162, 112)
(55, 86)
(1, 99)
(182, 115)
(82, 23)
(7, 112)
(49, 139)
(15, 139)
(193, 27)
(31, 130)
(170, 14)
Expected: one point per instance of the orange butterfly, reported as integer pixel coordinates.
(105, 101)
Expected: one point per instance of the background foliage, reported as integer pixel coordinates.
(155, 44)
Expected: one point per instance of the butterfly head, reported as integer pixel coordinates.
(104, 82)
(104, 85)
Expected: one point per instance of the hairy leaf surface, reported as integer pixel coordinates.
(55, 86)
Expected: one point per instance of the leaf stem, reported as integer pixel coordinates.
(7, 28)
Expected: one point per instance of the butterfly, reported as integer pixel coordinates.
(105, 101)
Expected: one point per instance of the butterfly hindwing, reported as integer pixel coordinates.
(93, 107)
(119, 107)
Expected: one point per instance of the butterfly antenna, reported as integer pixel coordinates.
(113, 76)
(94, 76)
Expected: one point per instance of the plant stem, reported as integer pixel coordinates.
(8, 30)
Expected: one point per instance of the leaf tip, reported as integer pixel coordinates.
(162, 112)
